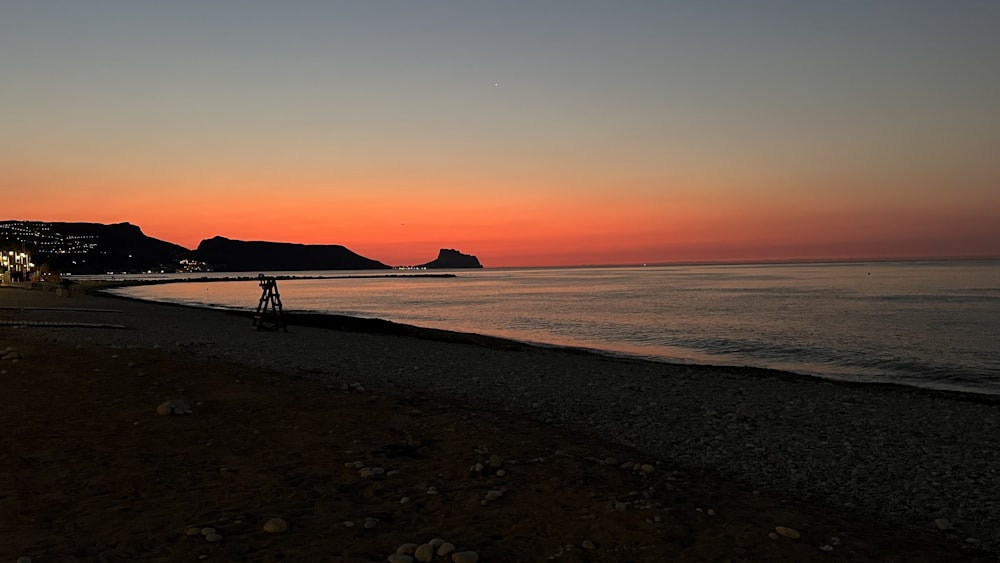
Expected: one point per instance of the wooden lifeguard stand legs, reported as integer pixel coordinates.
(268, 315)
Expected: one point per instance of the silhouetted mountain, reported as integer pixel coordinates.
(225, 255)
(92, 248)
(95, 248)
(450, 259)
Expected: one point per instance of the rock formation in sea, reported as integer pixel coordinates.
(450, 258)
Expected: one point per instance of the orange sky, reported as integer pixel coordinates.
(528, 136)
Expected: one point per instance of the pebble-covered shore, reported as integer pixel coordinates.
(909, 457)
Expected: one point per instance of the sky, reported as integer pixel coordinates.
(528, 133)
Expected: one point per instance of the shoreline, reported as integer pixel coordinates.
(905, 456)
(97, 283)
(377, 325)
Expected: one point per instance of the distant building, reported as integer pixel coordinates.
(16, 266)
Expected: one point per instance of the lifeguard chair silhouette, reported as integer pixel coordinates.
(269, 313)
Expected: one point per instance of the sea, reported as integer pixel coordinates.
(932, 324)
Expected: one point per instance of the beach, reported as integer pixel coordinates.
(134, 427)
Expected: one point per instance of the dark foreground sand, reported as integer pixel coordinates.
(284, 425)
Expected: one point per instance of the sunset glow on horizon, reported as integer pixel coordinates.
(527, 134)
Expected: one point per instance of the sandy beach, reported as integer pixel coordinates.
(150, 432)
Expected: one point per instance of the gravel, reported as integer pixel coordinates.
(907, 456)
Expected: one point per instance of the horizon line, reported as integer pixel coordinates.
(708, 262)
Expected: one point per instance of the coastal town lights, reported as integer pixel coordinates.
(15, 266)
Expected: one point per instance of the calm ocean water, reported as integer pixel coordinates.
(931, 324)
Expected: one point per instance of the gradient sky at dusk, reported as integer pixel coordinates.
(527, 133)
